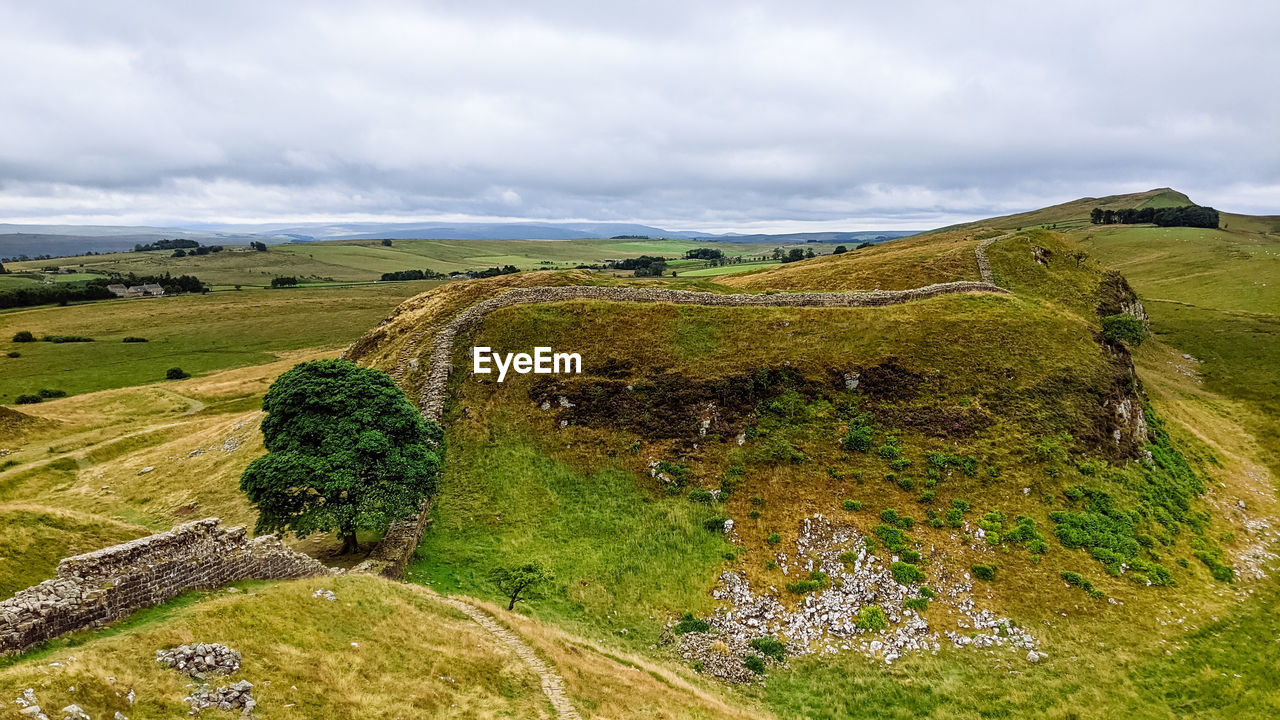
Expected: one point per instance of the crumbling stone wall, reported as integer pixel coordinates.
(98, 587)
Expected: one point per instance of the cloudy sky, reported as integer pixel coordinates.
(690, 115)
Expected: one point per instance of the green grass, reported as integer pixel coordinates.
(622, 557)
(725, 269)
(199, 333)
(1227, 668)
(365, 260)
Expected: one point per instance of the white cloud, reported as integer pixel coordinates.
(699, 115)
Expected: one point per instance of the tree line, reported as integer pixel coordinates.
(95, 289)
(401, 275)
(1185, 216)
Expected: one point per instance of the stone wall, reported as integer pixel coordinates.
(98, 587)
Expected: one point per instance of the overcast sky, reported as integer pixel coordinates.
(690, 115)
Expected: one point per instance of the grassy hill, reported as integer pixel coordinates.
(988, 420)
(1075, 213)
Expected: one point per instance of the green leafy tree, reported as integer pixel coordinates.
(346, 451)
(525, 579)
(1123, 328)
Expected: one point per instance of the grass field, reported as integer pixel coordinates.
(347, 261)
(198, 333)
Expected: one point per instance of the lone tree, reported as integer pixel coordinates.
(346, 451)
(526, 579)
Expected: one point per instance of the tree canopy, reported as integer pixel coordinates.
(346, 451)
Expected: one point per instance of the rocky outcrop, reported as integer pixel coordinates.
(98, 587)
(1117, 298)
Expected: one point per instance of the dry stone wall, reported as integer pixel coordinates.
(98, 587)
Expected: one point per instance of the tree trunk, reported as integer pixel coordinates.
(511, 605)
(349, 544)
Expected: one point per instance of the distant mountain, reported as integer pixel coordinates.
(61, 240)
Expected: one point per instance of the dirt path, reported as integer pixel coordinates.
(552, 683)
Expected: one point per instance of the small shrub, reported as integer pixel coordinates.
(893, 538)
(857, 439)
(24, 336)
(13, 354)
(133, 339)
(1075, 578)
(927, 496)
(816, 581)
(910, 556)
(715, 524)
(754, 663)
(1123, 328)
(769, 648)
(889, 515)
(918, 604)
(757, 501)
(754, 514)
(852, 505)
(906, 573)
(983, 572)
(900, 463)
(889, 451)
(907, 483)
(28, 399)
(955, 518)
(848, 557)
(690, 624)
(48, 393)
(906, 522)
(872, 619)
(175, 373)
(67, 339)
(701, 496)
(927, 592)
(773, 539)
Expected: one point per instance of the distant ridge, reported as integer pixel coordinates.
(1076, 212)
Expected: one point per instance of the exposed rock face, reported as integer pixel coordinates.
(1117, 298)
(98, 587)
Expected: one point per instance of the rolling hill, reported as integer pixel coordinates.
(1018, 491)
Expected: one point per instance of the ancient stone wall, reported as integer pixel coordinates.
(98, 587)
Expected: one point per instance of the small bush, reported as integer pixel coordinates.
(893, 538)
(889, 515)
(24, 336)
(28, 399)
(701, 496)
(906, 573)
(769, 648)
(906, 482)
(918, 604)
(773, 539)
(1123, 328)
(690, 624)
(715, 524)
(906, 522)
(14, 354)
(857, 439)
(1075, 578)
(927, 496)
(48, 393)
(132, 339)
(175, 373)
(900, 463)
(852, 505)
(872, 618)
(983, 572)
(848, 557)
(754, 663)
(910, 556)
(816, 581)
(927, 592)
(889, 451)
(955, 518)
(66, 339)
(754, 514)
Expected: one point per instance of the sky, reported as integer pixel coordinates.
(715, 116)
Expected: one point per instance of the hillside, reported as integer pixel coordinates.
(990, 422)
(1015, 492)
(1076, 212)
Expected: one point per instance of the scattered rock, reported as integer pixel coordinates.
(146, 470)
(201, 659)
(74, 712)
(236, 696)
(326, 594)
